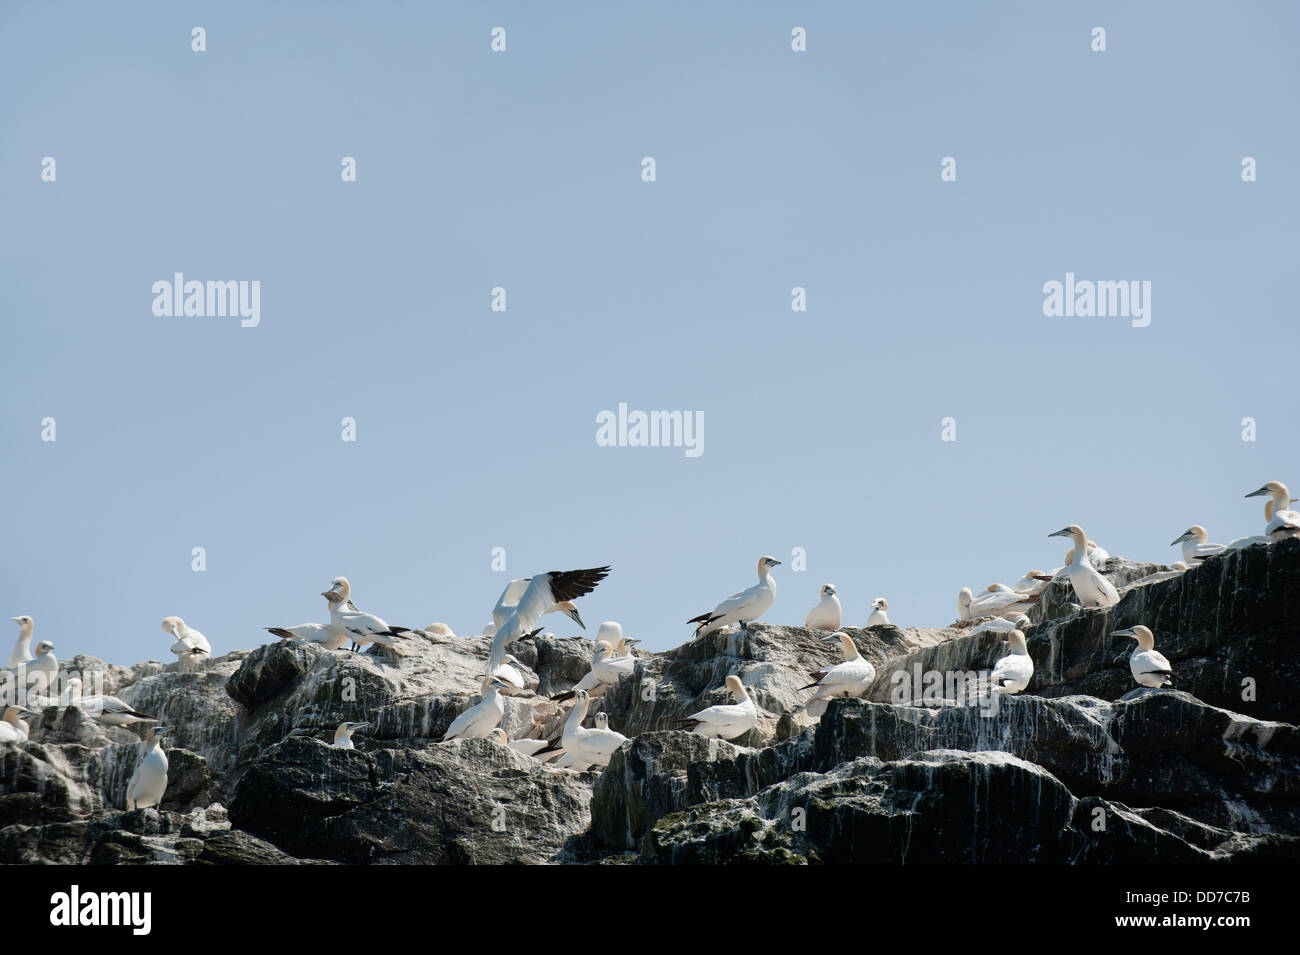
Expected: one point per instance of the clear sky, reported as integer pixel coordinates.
(476, 429)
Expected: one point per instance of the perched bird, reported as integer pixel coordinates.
(588, 747)
(853, 677)
(510, 674)
(1032, 584)
(513, 594)
(612, 631)
(990, 602)
(481, 718)
(529, 747)
(1149, 666)
(827, 614)
(149, 781)
(1284, 523)
(13, 728)
(191, 647)
(1178, 565)
(1002, 625)
(361, 628)
(439, 629)
(727, 720)
(1195, 546)
(744, 607)
(1251, 541)
(45, 663)
(879, 617)
(1092, 589)
(321, 633)
(542, 593)
(1013, 672)
(1095, 554)
(22, 651)
(102, 707)
(606, 670)
(343, 735)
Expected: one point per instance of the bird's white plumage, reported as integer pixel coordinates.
(1013, 672)
(592, 747)
(1092, 589)
(853, 677)
(827, 613)
(22, 651)
(190, 646)
(320, 633)
(13, 728)
(149, 781)
(727, 720)
(481, 718)
(742, 607)
(879, 613)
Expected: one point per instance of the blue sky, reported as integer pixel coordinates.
(775, 169)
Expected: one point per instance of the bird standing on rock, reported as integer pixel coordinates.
(743, 607)
(1092, 589)
(828, 614)
(1148, 665)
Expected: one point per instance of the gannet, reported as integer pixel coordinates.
(508, 673)
(102, 707)
(321, 633)
(441, 629)
(361, 627)
(1095, 553)
(1013, 672)
(1092, 589)
(481, 718)
(853, 677)
(1251, 541)
(611, 631)
(529, 747)
(22, 651)
(592, 747)
(827, 614)
(879, 616)
(990, 602)
(728, 720)
(1178, 565)
(514, 592)
(191, 647)
(45, 662)
(1002, 625)
(1149, 666)
(1284, 523)
(744, 607)
(543, 592)
(149, 781)
(1021, 602)
(1032, 584)
(13, 728)
(343, 735)
(489, 630)
(606, 670)
(1195, 548)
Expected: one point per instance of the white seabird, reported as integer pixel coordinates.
(481, 718)
(191, 647)
(611, 631)
(514, 593)
(102, 707)
(149, 781)
(1002, 625)
(510, 674)
(1095, 554)
(606, 670)
(529, 747)
(1178, 565)
(743, 607)
(360, 627)
(1092, 589)
(1149, 666)
(879, 613)
(852, 678)
(440, 629)
(1195, 544)
(1032, 584)
(1285, 523)
(827, 614)
(343, 735)
(13, 728)
(44, 663)
(320, 633)
(22, 651)
(727, 720)
(588, 747)
(542, 593)
(1013, 672)
(990, 602)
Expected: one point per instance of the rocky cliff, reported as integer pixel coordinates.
(1081, 768)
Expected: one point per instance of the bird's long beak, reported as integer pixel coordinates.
(331, 594)
(1262, 492)
(1123, 633)
(1063, 532)
(830, 638)
(1187, 535)
(574, 614)
(359, 726)
(775, 563)
(16, 619)
(630, 641)
(1040, 577)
